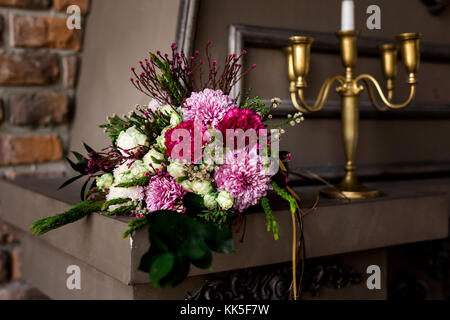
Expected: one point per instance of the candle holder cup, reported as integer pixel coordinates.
(349, 88)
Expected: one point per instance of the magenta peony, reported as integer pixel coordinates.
(244, 176)
(163, 193)
(208, 106)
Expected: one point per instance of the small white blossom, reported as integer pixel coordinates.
(105, 181)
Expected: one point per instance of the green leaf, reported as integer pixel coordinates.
(187, 239)
(193, 203)
(88, 149)
(77, 155)
(161, 267)
(73, 179)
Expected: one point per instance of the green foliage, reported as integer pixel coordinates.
(168, 82)
(135, 225)
(286, 196)
(112, 202)
(76, 213)
(256, 105)
(121, 210)
(270, 220)
(177, 241)
(134, 183)
(114, 127)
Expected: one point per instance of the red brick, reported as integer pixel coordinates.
(16, 263)
(29, 149)
(26, 4)
(70, 71)
(1, 111)
(2, 27)
(48, 32)
(8, 233)
(61, 5)
(28, 69)
(39, 108)
(5, 266)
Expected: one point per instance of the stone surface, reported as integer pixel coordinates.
(39, 108)
(49, 32)
(61, 5)
(28, 69)
(26, 4)
(16, 150)
(70, 71)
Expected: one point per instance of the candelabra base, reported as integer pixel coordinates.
(350, 188)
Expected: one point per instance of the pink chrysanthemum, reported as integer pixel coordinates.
(163, 193)
(208, 106)
(244, 176)
(196, 130)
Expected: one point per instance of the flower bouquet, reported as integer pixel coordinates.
(186, 166)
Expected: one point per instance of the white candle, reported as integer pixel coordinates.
(348, 15)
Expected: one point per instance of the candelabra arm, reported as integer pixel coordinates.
(321, 98)
(368, 80)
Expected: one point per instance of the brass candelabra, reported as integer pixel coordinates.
(349, 88)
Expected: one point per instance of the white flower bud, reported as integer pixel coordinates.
(176, 170)
(153, 160)
(202, 187)
(209, 201)
(225, 200)
(187, 185)
(139, 169)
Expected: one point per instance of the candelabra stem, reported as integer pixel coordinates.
(350, 187)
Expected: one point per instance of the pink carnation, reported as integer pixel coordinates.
(244, 176)
(244, 119)
(196, 131)
(163, 193)
(208, 107)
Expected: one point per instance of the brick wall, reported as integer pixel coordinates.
(39, 60)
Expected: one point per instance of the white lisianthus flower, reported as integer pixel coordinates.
(105, 181)
(130, 139)
(187, 185)
(122, 174)
(139, 169)
(225, 200)
(209, 201)
(149, 160)
(176, 170)
(175, 119)
(202, 187)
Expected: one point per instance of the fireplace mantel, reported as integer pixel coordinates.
(404, 214)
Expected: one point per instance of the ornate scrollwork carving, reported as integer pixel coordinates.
(273, 282)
